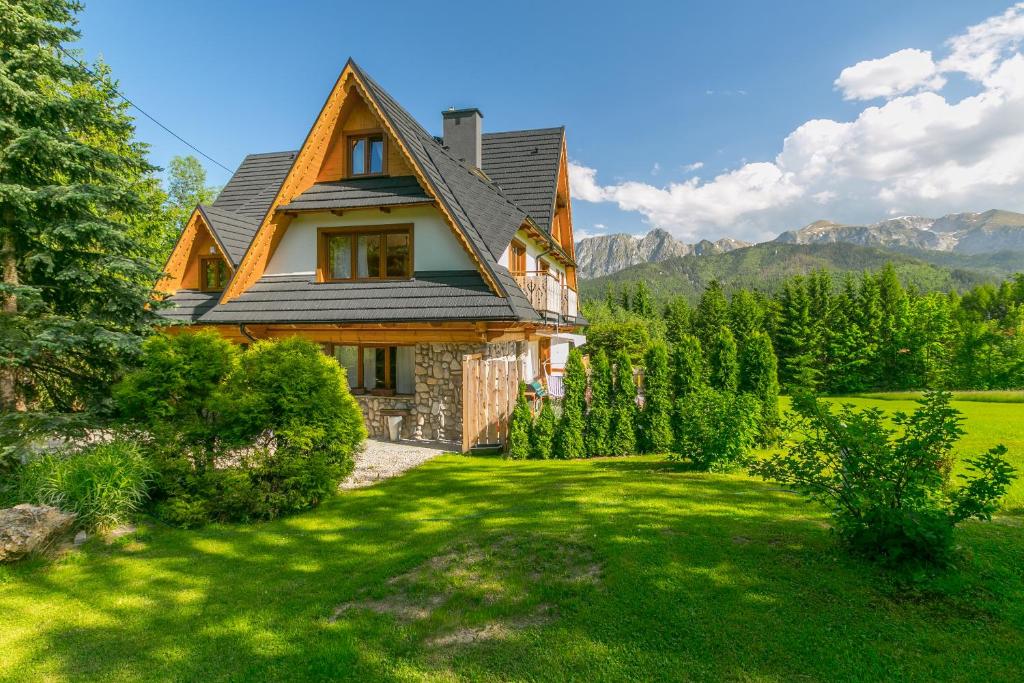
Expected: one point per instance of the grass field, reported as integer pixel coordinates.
(472, 568)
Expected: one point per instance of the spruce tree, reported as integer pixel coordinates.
(642, 304)
(689, 370)
(723, 362)
(656, 418)
(569, 435)
(712, 313)
(517, 446)
(746, 316)
(543, 433)
(759, 373)
(678, 320)
(597, 433)
(623, 441)
(75, 283)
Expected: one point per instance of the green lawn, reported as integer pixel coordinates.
(481, 569)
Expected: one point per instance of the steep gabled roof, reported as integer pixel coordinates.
(524, 164)
(358, 193)
(251, 189)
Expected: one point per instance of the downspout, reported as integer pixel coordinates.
(241, 328)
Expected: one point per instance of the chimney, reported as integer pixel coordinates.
(462, 131)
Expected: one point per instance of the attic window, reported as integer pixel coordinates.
(213, 274)
(366, 154)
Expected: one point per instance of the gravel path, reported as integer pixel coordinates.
(381, 460)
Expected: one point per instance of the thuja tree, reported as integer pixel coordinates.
(543, 433)
(722, 357)
(887, 486)
(656, 419)
(597, 434)
(74, 282)
(517, 446)
(759, 377)
(689, 371)
(623, 439)
(569, 435)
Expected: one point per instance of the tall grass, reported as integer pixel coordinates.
(102, 484)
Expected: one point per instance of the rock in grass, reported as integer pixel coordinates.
(26, 529)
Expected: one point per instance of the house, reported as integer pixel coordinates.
(439, 271)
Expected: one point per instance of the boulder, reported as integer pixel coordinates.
(28, 528)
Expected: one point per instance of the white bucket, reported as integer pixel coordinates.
(394, 427)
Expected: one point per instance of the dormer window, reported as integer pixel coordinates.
(366, 154)
(213, 274)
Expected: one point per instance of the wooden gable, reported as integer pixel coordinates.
(196, 241)
(561, 218)
(318, 158)
(357, 118)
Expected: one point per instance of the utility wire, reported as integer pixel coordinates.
(137, 107)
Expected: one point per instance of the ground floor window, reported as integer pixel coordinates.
(377, 369)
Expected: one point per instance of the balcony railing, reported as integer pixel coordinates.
(548, 294)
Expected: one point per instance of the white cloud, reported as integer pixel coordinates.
(916, 152)
(695, 166)
(895, 74)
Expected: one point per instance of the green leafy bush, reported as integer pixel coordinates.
(569, 433)
(656, 419)
(517, 446)
(624, 411)
(102, 484)
(597, 429)
(716, 428)
(543, 433)
(241, 436)
(888, 488)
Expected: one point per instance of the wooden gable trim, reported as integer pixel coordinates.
(563, 183)
(303, 173)
(177, 262)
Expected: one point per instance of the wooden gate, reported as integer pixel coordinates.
(489, 389)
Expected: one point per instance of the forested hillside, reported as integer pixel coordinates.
(764, 267)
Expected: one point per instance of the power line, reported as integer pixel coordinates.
(138, 108)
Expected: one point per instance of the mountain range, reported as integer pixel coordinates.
(968, 234)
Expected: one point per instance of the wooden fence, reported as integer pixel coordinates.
(489, 388)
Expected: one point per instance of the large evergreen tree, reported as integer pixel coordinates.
(689, 370)
(569, 434)
(723, 361)
(712, 313)
(656, 418)
(75, 283)
(759, 377)
(642, 304)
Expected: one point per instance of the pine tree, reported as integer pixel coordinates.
(892, 329)
(569, 435)
(689, 370)
(759, 373)
(597, 432)
(543, 433)
(656, 418)
(642, 304)
(723, 361)
(678, 320)
(796, 341)
(712, 313)
(517, 447)
(623, 441)
(746, 316)
(75, 282)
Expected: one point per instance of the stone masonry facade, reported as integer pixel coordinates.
(434, 413)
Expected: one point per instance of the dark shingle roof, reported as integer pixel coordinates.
(232, 230)
(429, 296)
(359, 192)
(524, 164)
(189, 305)
(252, 188)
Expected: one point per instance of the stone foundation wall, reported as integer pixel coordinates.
(434, 413)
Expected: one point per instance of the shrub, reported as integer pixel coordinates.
(597, 430)
(623, 439)
(689, 371)
(716, 428)
(517, 447)
(543, 433)
(102, 484)
(887, 488)
(569, 434)
(241, 436)
(656, 419)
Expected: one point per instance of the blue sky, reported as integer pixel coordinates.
(646, 90)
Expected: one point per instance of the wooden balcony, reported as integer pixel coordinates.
(547, 294)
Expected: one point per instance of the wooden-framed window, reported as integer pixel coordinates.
(517, 258)
(376, 252)
(367, 154)
(213, 273)
(386, 370)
